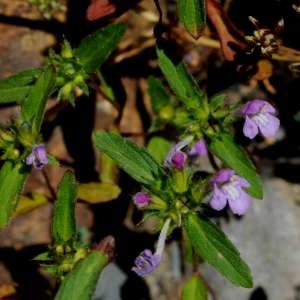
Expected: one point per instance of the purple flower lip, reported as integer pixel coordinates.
(176, 158)
(199, 148)
(147, 261)
(228, 187)
(37, 157)
(259, 117)
(141, 199)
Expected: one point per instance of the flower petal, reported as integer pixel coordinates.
(199, 148)
(250, 128)
(222, 176)
(241, 182)
(218, 200)
(178, 160)
(41, 153)
(141, 199)
(241, 204)
(268, 108)
(29, 159)
(253, 107)
(270, 127)
(146, 263)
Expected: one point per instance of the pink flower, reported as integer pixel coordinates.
(141, 199)
(228, 187)
(259, 116)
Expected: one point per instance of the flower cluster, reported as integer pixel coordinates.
(226, 187)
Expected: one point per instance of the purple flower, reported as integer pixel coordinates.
(259, 116)
(176, 157)
(37, 157)
(199, 148)
(147, 261)
(229, 187)
(141, 199)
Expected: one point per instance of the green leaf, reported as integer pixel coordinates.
(158, 94)
(109, 170)
(15, 88)
(12, 178)
(181, 81)
(52, 160)
(33, 108)
(297, 116)
(98, 192)
(63, 224)
(224, 147)
(194, 289)
(216, 101)
(96, 47)
(81, 282)
(192, 15)
(213, 246)
(136, 161)
(159, 147)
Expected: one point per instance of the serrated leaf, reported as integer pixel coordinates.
(136, 161)
(27, 204)
(12, 178)
(81, 282)
(15, 88)
(158, 94)
(214, 247)
(192, 15)
(181, 81)
(98, 192)
(33, 107)
(63, 224)
(96, 47)
(159, 147)
(224, 147)
(194, 289)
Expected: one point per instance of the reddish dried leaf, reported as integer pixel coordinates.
(99, 9)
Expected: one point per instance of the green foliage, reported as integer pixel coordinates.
(158, 94)
(63, 224)
(12, 177)
(181, 82)
(159, 147)
(215, 102)
(212, 245)
(15, 88)
(80, 283)
(136, 161)
(235, 157)
(194, 289)
(95, 48)
(192, 15)
(33, 107)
